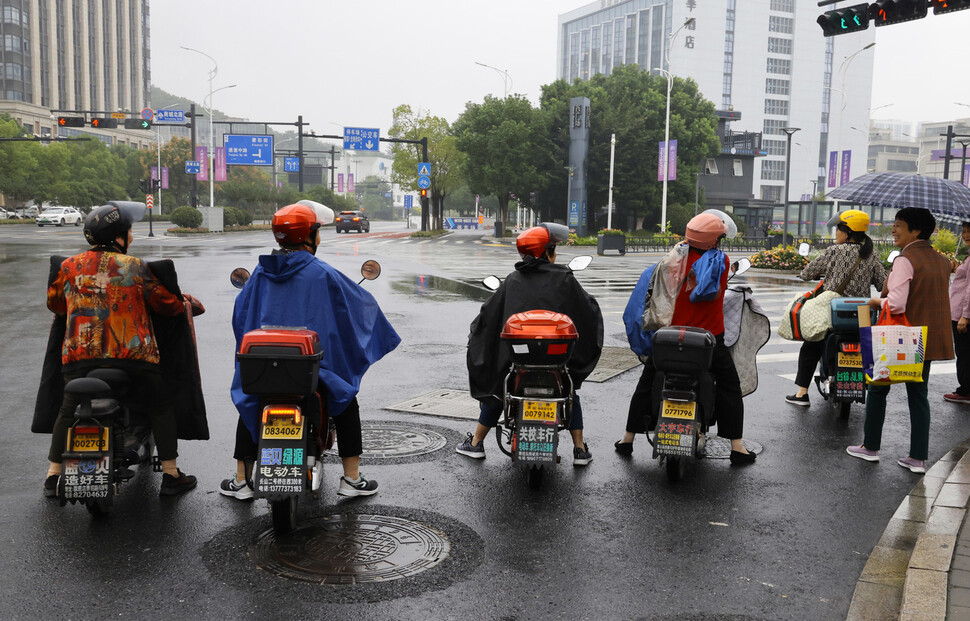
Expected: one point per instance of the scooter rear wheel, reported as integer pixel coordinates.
(676, 468)
(284, 514)
(535, 476)
(97, 507)
(503, 437)
(844, 408)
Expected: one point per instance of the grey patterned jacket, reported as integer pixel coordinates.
(834, 264)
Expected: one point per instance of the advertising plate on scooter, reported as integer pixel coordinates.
(535, 444)
(539, 411)
(283, 428)
(81, 442)
(86, 478)
(678, 409)
(280, 468)
(675, 437)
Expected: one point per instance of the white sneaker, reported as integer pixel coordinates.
(360, 487)
(232, 488)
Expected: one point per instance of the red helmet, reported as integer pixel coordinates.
(293, 224)
(704, 231)
(535, 241)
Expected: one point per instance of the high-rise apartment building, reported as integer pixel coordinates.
(73, 55)
(766, 58)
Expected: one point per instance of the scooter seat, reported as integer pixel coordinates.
(87, 387)
(117, 379)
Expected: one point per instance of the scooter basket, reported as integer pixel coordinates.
(540, 338)
(279, 361)
(845, 314)
(682, 350)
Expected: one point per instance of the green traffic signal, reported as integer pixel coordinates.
(137, 124)
(842, 21)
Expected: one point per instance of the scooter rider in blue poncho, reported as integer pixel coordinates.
(290, 287)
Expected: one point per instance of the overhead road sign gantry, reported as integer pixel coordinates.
(361, 138)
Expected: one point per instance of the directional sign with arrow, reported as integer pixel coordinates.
(361, 138)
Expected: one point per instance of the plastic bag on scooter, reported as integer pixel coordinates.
(640, 340)
(893, 350)
(665, 284)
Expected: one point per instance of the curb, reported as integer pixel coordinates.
(906, 576)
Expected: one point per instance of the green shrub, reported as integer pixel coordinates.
(186, 217)
(945, 241)
(779, 258)
(233, 216)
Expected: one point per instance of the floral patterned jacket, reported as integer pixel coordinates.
(106, 297)
(835, 263)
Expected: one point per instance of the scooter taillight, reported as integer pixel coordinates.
(292, 411)
(86, 430)
(850, 348)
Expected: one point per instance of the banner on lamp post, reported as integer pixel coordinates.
(833, 166)
(340, 183)
(846, 167)
(202, 156)
(671, 155)
(350, 183)
(220, 164)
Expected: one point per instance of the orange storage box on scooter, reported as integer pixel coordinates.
(277, 361)
(540, 337)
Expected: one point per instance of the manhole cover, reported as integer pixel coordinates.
(390, 440)
(351, 549)
(720, 448)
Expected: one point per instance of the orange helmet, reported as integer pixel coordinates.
(704, 231)
(293, 224)
(535, 241)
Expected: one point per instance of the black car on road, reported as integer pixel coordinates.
(352, 220)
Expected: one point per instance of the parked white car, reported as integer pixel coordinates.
(5, 215)
(59, 216)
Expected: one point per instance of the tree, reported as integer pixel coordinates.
(505, 146)
(17, 160)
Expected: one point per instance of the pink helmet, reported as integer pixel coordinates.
(704, 231)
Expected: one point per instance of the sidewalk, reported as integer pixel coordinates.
(920, 568)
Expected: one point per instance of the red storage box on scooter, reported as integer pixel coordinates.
(279, 361)
(682, 350)
(540, 338)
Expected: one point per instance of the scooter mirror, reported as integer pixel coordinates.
(803, 249)
(741, 266)
(238, 277)
(892, 256)
(492, 283)
(580, 263)
(370, 270)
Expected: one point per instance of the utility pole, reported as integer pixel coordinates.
(299, 148)
(194, 199)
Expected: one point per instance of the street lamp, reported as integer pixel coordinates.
(506, 78)
(843, 70)
(784, 228)
(158, 144)
(609, 214)
(670, 82)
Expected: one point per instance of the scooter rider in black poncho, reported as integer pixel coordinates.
(537, 283)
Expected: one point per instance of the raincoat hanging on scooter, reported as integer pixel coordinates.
(296, 289)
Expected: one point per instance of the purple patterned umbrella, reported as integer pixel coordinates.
(949, 200)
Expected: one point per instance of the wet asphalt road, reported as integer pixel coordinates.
(783, 539)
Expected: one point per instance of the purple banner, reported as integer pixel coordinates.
(220, 171)
(340, 183)
(833, 166)
(164, 177)
(966, 175)
(350, 183)
(671, 162)
(937, 154)
(846, 167)
(201, 155)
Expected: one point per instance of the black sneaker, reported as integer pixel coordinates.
(795, 400)
(173, 486)
(50, 486)
(581, 456)
(360, 487)
(468, 449)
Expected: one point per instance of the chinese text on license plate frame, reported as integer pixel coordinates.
(541, 411)
(282, 428)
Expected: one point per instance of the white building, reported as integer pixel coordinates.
(765, 58)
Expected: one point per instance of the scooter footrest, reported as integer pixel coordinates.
(156, 464)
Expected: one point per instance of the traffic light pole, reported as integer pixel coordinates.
(948, 155)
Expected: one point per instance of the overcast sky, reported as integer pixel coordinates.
(350, 62)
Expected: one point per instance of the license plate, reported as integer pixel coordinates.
(283, 429)
(850, 361)
(674, 409)
(544, 411)
(84, 442)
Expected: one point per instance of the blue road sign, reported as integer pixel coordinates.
(361, 138)
(193, 167)
(170, 116)
(291, 164)
(424, 182)
(244, 150)
(408, 201)
(424, 169)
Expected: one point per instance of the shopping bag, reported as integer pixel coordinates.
(808, 316)
(665, 284)
(892, 350)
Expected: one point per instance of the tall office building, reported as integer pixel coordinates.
(70, 55)
(765, 58)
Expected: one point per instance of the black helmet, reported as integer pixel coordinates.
(108, 222)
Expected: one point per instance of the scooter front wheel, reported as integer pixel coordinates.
(284, 514)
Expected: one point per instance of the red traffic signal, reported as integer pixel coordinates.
(104, 123)
(424, 193)
(886, 12)
(70, 121)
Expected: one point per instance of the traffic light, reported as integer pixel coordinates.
(948, 6)
(424, 193)
(104, 123)
(841, 21)
(145, 186)
(886, 12)
(137, 124)
(70, 121)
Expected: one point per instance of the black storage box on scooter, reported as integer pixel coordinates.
(682, 355)
(279, 362)
(682, 350)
